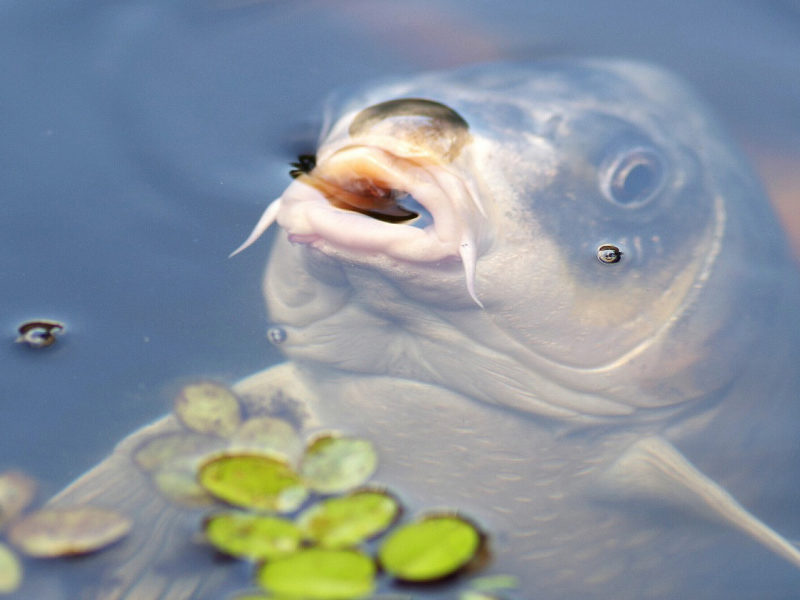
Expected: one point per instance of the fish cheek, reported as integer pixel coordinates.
(586, 312)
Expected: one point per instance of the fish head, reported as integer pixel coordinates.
(573, 239)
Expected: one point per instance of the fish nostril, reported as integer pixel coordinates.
(276, 335)
(609, 254)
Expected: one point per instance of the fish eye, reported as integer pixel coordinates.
(633, 178)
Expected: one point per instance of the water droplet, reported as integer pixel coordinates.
(39, 333)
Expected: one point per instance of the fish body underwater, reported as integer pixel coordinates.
(555, 297)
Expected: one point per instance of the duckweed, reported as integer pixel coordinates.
(319, 574)
(491, 583)
(16, 493)
(252, 536)
(256, 481)
(430, 549)
(332, 464)
(68, 531)
(10, 570)
(39, 333)
(349, 520)
(208, 407)
(268, 435)
(158, 451)
(177, 482)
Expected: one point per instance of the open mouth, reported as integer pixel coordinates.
(362, 198)
(374, 199)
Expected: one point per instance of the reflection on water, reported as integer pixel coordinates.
(142, 139)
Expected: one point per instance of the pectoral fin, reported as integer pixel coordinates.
(654, 468)
(138, 567)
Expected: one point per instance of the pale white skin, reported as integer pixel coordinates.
(504, 371)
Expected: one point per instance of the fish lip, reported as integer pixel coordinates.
(457, 231)
(308, 217)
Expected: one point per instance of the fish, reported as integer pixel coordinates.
(555, 296)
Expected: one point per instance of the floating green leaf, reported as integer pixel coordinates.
(177, 482)
(16, 493)
(349, 520)
(157, 452)
(491, 583)
(39, 333)
(253, 481)
(68, 531)
(477, 595)
(208, 407)
(319, 574)
(332, 465)
(430, 549)
(10, 570)
(252, 536)
(268, 434)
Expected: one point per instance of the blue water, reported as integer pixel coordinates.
(139, 142)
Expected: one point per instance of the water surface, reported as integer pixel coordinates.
(141, 140)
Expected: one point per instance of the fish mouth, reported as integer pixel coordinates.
(363, 199)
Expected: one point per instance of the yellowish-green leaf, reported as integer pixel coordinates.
(16, 493)
(319, 574)
(208, 407)
(177, 482)
(332, 464)
(490, 583)
(157, 452)
(252, 536)
(349, 520)
(268, 435)
(68, 531)
(10, 570)
(430, 549)
(254, 481)
(476, 595)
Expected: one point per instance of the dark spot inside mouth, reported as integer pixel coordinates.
(373, 199)
(396, 215)
(400, 208)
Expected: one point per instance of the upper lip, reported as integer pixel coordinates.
(329, 207)
(435, 186)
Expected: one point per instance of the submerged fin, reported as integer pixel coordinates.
(654, 468)
(267, 218)
(162, 557)
(152, 562)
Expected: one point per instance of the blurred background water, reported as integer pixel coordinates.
(140, 141)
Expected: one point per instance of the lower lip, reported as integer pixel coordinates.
(310, 238)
